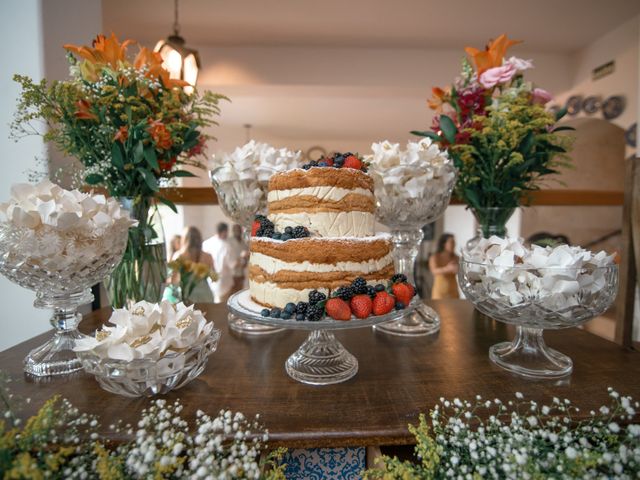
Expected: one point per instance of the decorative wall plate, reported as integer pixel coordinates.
(574, 105)
(592, 104)
(630, 135)
(613, 107)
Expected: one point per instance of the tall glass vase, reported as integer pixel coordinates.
(491, 221)
(142, 273)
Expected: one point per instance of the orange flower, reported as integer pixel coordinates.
(437, 99)
(153, 62)
(83, 111)
(105, 51)
(492, 55)
(160, 135)
(122, 134)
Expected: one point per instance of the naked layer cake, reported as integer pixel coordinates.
(327, 218)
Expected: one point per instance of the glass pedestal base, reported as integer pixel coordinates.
(529, 356)
(321, 360)
(241, 325)
(423, 320)
(55, 357)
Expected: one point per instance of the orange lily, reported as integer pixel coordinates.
(153, 62)
(105, 51)
(83, 111)
(492, 55)
(437, 99)
(122, 134)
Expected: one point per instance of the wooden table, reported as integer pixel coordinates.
(398, 378)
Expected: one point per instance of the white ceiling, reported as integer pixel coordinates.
(547, 25)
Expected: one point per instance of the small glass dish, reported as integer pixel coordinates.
(513, 295)
(148, 377)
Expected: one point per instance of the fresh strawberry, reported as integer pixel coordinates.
(383, 303)
(328, 161)
(352, 162)
(255, 227)
(403, 292)
(338, 309)
(361, 305)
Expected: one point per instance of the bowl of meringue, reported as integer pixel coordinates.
(149, 348)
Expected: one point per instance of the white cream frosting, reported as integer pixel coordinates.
(322, 192)
(327, 224)
(272, 265)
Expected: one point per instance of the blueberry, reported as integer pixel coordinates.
(379, 287)
(275, 313)
(285, 237)
(288, 230)
(285, 315)
(300, 317)
(290, 308)
(323, 164)
(277, 236)
(265, 312)
(399, 306)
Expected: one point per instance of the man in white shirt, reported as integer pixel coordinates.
(224, 262)
(241, 252)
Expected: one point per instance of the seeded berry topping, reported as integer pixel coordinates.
(345, 292)
(315, 313)
(301, 308)
(371, 291)
(359, 285)
(300, 232)
(339, 160)
(316, 297)
(398, 278)
(380, 287)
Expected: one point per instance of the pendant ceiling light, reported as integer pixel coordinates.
(181, 61)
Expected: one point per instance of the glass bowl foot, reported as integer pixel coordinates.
(321, 360)
(54, 357)
(240, 325)
(529, 356)
(416, 323)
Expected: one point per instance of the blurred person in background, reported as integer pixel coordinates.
(191, 250)
(240, 250)
(174, 245)
(224, 262)
(444, 267)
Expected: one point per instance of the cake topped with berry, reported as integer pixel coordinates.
(317, 241)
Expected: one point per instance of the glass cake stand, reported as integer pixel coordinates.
(321, 359)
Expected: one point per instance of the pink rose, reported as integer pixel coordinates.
(492, 77)
(520, 64)
(541, 96)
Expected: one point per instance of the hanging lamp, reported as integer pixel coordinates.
(181, 61)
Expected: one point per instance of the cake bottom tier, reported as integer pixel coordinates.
(283, 272)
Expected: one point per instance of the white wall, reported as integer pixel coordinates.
(21, 34)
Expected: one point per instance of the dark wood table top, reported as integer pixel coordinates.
(398, 378)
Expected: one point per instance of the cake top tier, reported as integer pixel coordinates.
(346, 178)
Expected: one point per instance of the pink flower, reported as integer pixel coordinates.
(520, 64)
(541, 96)
(492, 77)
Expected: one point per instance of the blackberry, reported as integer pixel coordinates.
(265, 312)
(301, 308)
(300, 317)
(347, 154)
(300, 232)
(345, 293)
(399, 305)
(261, 218)
(288, 230)
(399, 278)
(275, 313)
(290, 308)
(315, 296)
(371, 291)
(265, 232)
(314, 313)
(306, 166)
(285, 315)
(380, 287)
(359, 285)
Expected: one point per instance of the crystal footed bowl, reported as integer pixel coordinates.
(60, 267)
(405, 209)
(536, 299)
(148, 377)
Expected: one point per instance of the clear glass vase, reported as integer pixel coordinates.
(60, 267)
(141, 275)
(491, 221)
(405, 212)
(241, 200)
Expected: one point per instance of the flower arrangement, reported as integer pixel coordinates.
(496, 129)
(521, 439)
(189, 274)
(131, 128)
(59, 442)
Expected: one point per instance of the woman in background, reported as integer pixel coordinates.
(174, 245)
(444, 267)
(191, 249)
